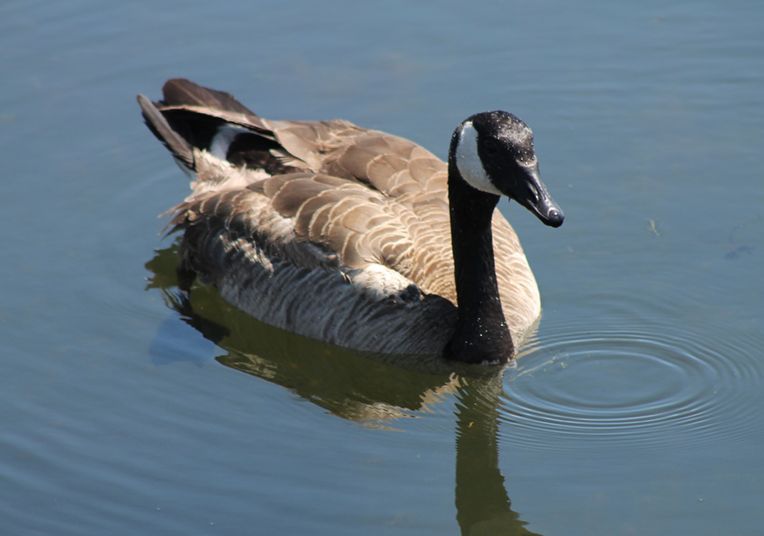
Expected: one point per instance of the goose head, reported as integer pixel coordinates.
(493, 152)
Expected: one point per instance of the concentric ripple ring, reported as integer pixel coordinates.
(632, 387)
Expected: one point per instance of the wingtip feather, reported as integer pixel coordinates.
(181, 91)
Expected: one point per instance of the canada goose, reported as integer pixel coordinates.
(341, 233)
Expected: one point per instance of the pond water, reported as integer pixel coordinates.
(128, 408)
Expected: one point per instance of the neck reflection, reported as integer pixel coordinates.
(482, 503)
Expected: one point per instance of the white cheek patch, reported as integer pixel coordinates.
(468, 161)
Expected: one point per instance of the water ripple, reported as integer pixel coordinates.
(643, 388)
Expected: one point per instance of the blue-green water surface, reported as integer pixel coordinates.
(128, 408)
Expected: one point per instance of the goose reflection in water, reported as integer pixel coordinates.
(370, 390)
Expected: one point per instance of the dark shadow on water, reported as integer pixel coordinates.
(370, 389)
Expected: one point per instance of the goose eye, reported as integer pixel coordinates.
(491, 147)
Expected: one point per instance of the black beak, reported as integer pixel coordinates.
(536, 198)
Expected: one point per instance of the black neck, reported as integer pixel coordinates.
(481, 332)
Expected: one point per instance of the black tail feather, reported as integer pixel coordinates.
(178, 146)
(186, 119)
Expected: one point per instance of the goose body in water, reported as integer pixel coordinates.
(354, 236)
